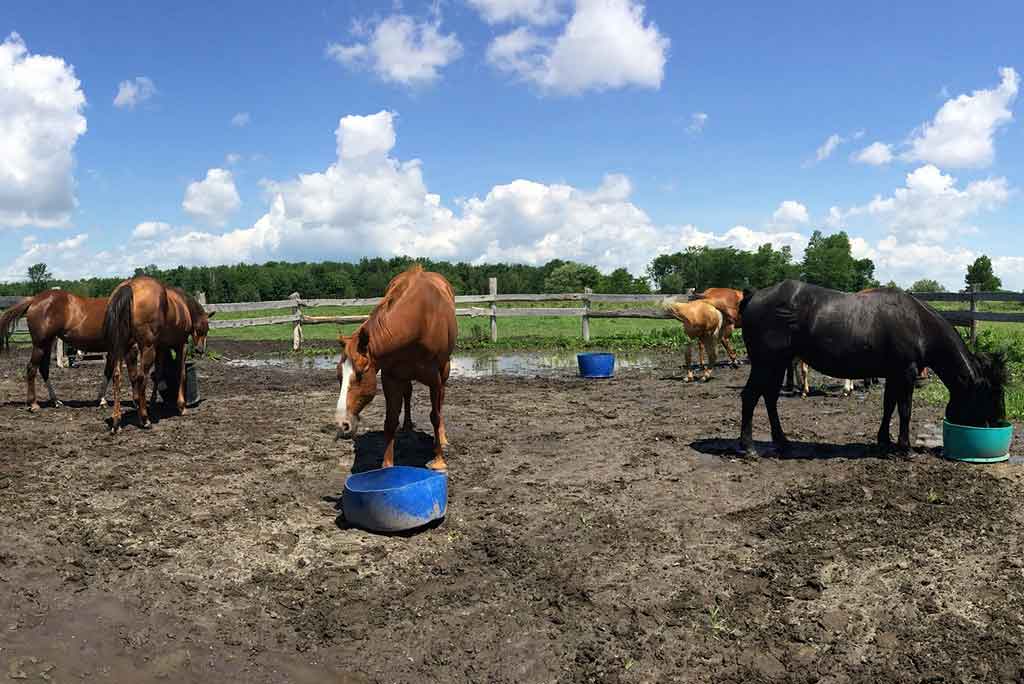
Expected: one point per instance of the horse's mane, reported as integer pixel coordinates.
(195, 309)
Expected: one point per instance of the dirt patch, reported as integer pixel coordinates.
(597, 532)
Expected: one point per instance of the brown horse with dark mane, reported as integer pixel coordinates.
(53, 314)
(409, 336)
(726, 300)
(144, 319)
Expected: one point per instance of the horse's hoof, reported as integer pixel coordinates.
(34, 408)
(116, 428)
(183, 411)
(438, 463)
(146, 424)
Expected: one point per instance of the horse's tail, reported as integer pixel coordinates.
(9, 320)
(117, 323)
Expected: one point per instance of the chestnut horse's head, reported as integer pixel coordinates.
(200, 330)
(357, 375)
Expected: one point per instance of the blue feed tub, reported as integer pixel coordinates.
(976, 444)
(395, 499)
(596, 364)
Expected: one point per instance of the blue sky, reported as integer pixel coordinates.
(605, 131)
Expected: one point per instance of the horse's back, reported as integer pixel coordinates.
(419, 314)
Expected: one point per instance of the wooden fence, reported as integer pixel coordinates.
(486, 306)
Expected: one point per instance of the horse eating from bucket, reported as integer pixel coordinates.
(701, 322)
(408, 336)
(876, 333)
(53, 314)
(144, 319)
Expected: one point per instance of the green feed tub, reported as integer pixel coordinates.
(976, 444)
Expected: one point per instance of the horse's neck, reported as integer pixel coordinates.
(952, 362)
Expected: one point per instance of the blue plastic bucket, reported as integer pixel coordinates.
(976, 444)
(596, 364)
(395, 499)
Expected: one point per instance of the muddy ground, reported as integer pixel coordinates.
(595, 532)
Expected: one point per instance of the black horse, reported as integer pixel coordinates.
(876, 333)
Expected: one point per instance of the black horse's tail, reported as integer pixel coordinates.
(9, 320)
(117, 324)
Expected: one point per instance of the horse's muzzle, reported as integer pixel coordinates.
(347, 427)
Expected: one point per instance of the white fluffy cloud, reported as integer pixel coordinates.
(150, 229)
(241, 119)
(605, 45)
(65, 258)
(961, 134)
(212, 199)
(134, 92)
(828, 147)
(697, 122)
(931, 207)
(790, 212)
(41, 104)
(538, 12)
(876, 154)
(401, 50)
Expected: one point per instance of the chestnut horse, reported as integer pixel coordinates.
(144, 319)
(409, 336)
(53, 314)
(726, 300)
(877, 333)
(702, 322)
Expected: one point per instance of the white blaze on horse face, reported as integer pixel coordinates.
(346, 375)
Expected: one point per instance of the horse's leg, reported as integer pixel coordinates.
(394, 391)
(440, 439)
(712, 349)
(789, 384)
(771, 403)
(44, 370)
(407, 425)
(115, 415)
(847, 387)
(443, 435)
(158, 369)
(689, 359)
(101, 400)
(888, 404)
(805, 384)
(147, 356)
(726, 339)
(30, 374)
(179, 354)
(757, 384)
(905, 402)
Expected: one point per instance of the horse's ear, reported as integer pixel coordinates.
(364, 341)
(211, 314)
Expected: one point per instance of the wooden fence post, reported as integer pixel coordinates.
(297, 330)
(973, 287)
(62, 357)
(493, 284)
(586, 313)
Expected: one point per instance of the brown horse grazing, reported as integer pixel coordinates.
(702, 322)
(409, 336)
(727, 301)
(53, 314)
(144, 318)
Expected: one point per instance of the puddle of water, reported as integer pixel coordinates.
(471, 365)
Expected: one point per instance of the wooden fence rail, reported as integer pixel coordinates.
(487, 307)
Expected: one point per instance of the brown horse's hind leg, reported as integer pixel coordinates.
(407, 425)
(394, 391)
(44, 370)
(142, 364)
(440, 438)
(34, 362)
(180, 359)
(726, 339)
(115, 415)
(689, 360)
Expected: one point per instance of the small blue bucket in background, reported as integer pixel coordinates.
(596, 364)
